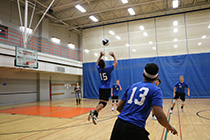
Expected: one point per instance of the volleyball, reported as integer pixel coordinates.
(105, 42)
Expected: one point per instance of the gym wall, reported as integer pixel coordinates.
(180, 47)
(20, 86)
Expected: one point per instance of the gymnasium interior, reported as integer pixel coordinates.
(41, 63)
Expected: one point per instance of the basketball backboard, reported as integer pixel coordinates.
(26, 58)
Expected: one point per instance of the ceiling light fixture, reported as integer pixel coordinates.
(175, 23)
(96, 54)
(118, 37)
(134, 50)
(56, 40)
(141, 27)
(131, 11)
(86, 51)
(93, 18)
(79, 7)
(72, 46)
(145, 33)
(124, 1)
(175, 30)
(111, 32)
(175, 3)
(204, 36)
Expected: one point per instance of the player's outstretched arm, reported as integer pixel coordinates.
(120, 87)
(174, 91)
(188, 92)
(115, 59)
(111, 91)
(121, 105)
(162, 119)
(101, 55)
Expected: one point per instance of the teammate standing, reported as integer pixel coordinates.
(157, 83)
(105, 87)
(135, 107)
(115, 93)
(77, 90)
(179, 91)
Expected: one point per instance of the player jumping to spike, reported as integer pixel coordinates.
(179, 91)
(105, 87)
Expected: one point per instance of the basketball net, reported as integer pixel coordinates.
(31, 64)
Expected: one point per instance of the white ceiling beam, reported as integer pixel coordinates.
(108, 10)
(144, 16)
(67, 5)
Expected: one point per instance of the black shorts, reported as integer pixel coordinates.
(126, 131)
(104, 94)
(181, 95)
(115, 97)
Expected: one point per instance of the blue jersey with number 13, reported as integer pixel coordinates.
(105, 76)
(140, 97)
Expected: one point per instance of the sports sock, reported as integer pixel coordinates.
(172, 108)
(182, 107)
(95, 113)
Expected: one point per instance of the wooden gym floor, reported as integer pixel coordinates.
(63, 120)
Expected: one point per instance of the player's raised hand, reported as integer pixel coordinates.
(173, 130)
(102, 53)
(111, 54)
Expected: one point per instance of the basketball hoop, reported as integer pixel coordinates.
(31, 64)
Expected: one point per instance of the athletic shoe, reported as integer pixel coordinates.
(154, 118)
(94, 118)
(90, 115)
(171, 111)
(112, 108)
(182, 110)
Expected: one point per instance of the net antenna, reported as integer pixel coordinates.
(26, 36)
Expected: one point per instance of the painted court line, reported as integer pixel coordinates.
(49, 111)
(89, 122)
(180, 130)
(59, 130)
(168, 115)
(43, 131)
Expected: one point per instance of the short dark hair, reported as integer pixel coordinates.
(151, 68)
(158, 80)
(101, 64)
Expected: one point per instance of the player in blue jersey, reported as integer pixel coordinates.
(135, 107)
(179, 91)
(115, 93)
(105, 86)
(157, 83)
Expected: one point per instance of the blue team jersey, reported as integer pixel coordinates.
(105, 76)
(140, 97)
(180, 87)
(116, 89)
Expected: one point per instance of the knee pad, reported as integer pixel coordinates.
(103, 103)
(112, 101)
(117, 101)
(174, 101)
